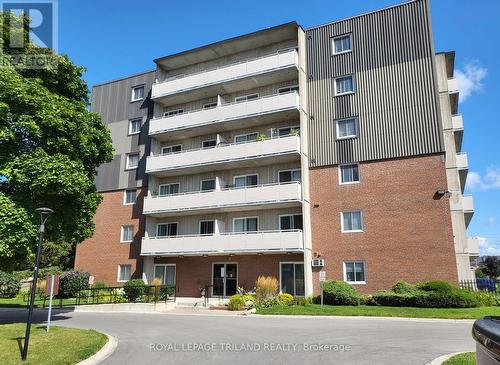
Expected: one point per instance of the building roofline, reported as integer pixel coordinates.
(123, 78)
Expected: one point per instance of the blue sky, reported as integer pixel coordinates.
(119, 37)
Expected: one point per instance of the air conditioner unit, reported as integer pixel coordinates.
(318, 262)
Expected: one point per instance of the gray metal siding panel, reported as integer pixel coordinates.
(395, 99)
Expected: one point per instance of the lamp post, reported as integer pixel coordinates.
(44, 214)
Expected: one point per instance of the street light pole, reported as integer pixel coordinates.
(44, 214)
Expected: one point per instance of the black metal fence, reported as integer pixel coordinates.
(482, 284)
(110, 295)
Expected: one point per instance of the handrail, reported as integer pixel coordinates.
(224, 189)
(176, 77)
(224, 234)
(223, 105)
(224, 144)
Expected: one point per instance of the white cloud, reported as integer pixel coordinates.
(470, 79)
(491, 220)
(487, 248)
(490, 180)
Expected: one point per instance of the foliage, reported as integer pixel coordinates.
(486, 299)
(9, 285)
(480, 273)
(166, 292)
(100, 285)
(134, 289)
(402, 287)
(340, 293)
(435, 285)
(236, 303)
(156, 282)
(466, 358)
(285, 299)
(50, 147)
(266, 288)
(42, 273)
(71, 282)
(491, 266)
(303, 300)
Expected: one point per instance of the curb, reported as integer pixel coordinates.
(374, 318)
(103, 353)
(439, 360)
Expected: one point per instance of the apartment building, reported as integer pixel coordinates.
(286, 152)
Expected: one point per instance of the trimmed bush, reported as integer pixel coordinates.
(266, 288)
(9, 285)
(236, 303)
(402, 287)
(285, 299)
(71, 282)
(427, 299)
(134, 289)
(340, 293)
(436, 285)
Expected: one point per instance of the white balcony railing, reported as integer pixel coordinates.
(225, 112)
(227, 73)
(462, 161)
(225, 198)
(473, 246)
(251, 242)
(224, 154)
(457, 122)
(464, 203)
(453, 85)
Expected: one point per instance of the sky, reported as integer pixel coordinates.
(116, 38)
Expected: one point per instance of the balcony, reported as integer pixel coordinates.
(463, 168)
(233, 199)
(453, 85)
(225, 243)
(465, 204)
(265, 110)
(229, 156)
(457, 123)
(273, 68)
(473, 246)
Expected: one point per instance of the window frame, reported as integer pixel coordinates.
(167, 223)
(210, 179)
(209, 140)
(336, 93)
(342, 228)
(122, 231)
(170, 146)
(127, 166)
(294, 283)
(356, 126)
(244, 98)
(165, 272)
(291, 215)
(173, 112)
(125, 196)
(118, 280)
(211, 105)
(245, 176)
(280, 89)
(205, 221)
(168, 184)
(291, 181)
(349, 182)
(246, 135)
(132, 99)
(345, 272)
(249, 217)
(297, 127)
(131, 121)
(334, 53)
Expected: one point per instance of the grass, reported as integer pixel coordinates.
(467, 358)
(60, 346)
(379, 311)
(20, 302)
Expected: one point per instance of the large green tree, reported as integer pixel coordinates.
(50, 148)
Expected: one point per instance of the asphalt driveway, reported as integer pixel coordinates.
(209, 339)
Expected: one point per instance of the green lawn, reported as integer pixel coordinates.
(378, 311)
(60, 346)
(19, 301)
(468, 358)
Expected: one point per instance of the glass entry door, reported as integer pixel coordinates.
(224, 280)
(292, 278)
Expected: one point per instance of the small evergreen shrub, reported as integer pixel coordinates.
(340, 293)
(285, 299)
(436, 285)
(236, 303)
(9, 285)
(402, 287)
(134, 289)
(72, 282)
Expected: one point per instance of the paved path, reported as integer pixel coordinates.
(178, 338)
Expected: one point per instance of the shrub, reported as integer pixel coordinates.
(270, 302)
(166, 292)
(156, 282)
(134, 289)
(248, 298)
(402, 287)
(266, 288)
(100, 285)
(303, 300)
(41, 285)
(340, 293)
(71, 282)
(436, 285)
(427, 299)
(487, 299)
(236, 303)
(285, 299)
(9, 285)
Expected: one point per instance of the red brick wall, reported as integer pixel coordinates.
(195, 272)
(102, 253)
(407, 233)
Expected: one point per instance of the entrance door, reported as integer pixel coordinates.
(224, 280)
(292, 278)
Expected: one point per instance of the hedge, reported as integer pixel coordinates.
(340, 293)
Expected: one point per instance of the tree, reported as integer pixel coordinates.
(491, 266)
(50, 148)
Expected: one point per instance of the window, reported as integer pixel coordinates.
(292, 278)
(132, 161)
(289, 176)
(169, 189)
(207, 227)
(210, 105)
(124, 273)
(288, 89)
(173, 112)
(346, 128)
(342, 44)
(130, 196)
(291, 221)
(207, 185)
(286, 131)
(354, 272)
(134, 126)
(352, 221)
(209, 143)
(344, 85)
(349, 173)
(245, 181)
(137, 93)
(245, 138)
(166, 229)
(250, 224)
(127, 234)
(166, 273)
(242, 99)
(171, 149)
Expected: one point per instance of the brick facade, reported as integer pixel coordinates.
(103, 252)
(407, 231)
